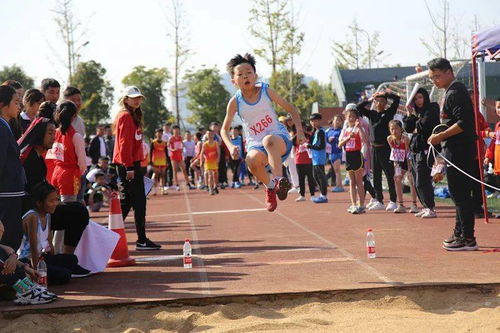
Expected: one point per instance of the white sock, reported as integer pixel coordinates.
(323, 196)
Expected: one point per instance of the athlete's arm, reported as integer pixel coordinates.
(202, 155)
(292, 110)
(80, 152)
(224, 132)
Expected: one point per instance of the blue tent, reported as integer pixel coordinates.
(486, 41)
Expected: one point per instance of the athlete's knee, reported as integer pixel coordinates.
(269, 141)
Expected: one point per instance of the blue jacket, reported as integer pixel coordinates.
(317, 146)
(12, 177)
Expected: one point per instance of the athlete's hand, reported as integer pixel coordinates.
(130, 175)
(301, 137)
(10, 265)
(235, 152)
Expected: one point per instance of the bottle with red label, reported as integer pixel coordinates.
(186, 255)
(370, 244)
(42, 272)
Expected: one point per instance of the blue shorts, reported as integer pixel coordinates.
(335, 156)
(288, 144)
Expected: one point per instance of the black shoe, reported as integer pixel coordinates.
(80, 272)
(450, 239)
(462, 244)
(216, 190)
(146, 245)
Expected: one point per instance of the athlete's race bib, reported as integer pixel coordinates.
(56, 152)
(351, 144)
(397, 155)
(261, 125)
(328, 148)
(177, 145)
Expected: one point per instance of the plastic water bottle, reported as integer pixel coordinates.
(370, 244)
(41, 268)
(186, 254)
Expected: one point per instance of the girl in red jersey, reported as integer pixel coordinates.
(400, 144)
(176, 147)
(159, 161)
(127, 156)
(68, 152)
(352, 138)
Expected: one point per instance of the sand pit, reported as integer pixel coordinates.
(422, 309)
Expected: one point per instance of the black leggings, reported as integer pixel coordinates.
(235, 169)
(306, 170)
(10, 215)
(72, 217)
(59, 267)
(422, 179)
(368, 186)
(189, 170)
(134, 197)
(320, 177)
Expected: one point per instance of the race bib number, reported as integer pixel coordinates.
(56, 152)
(178, 145)
(397, 155)
(261, 125)
(328, 148)
(351, 144)
(302, 147)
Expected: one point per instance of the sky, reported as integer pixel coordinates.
(127, 33)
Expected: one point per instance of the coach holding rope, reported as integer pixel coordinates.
(459, 148)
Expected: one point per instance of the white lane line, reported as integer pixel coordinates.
(213, 212)
(202, 270)
(332, 244)
(229, 254)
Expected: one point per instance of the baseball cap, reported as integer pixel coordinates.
(315, 116)
(281, 119)
(132, 92)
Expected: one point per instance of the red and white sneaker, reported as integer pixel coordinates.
(271, 203)
(282, 187)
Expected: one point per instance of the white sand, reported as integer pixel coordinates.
(438, 309)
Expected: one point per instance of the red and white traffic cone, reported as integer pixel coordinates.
(120, 255)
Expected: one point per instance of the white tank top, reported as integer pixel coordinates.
(42, 236)
(259, 119)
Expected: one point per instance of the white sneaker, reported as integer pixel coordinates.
(377, 206)
(34, 296)
(414, 209)
(429, 214)
(371, 203)
(177, 188)
(400, 209)
(352, 208)
(300, 198)
(391, 206)
(293, 190)
(422, 212)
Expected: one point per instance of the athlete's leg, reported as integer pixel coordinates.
(276, 148)
(256, 162)
(175, 167)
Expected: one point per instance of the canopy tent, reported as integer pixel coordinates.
(485, 44)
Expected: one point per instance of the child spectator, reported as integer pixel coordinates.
(336, 152)
(304, 165)
(189, 153)
(102, 167)
(37, 239)
(32, 100)
(195, 162)
(234, 164)
(96, 194)
(210, 153)
(493, 152)
(351, 139)
(400, 144)
(318, 152)
(159, 161)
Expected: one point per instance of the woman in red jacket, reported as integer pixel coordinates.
(127, 156)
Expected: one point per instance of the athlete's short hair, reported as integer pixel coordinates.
(238, 60)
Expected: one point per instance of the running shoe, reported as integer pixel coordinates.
(300, 198)
(271, 202)
(400, 209)
(80, 272)
(377, 206)
(413, 209)
(256, 187)
(147, 245)
(216, 190)
(391, 206)
(282, 187)
(461, 244)
(321, 200)
(177, 188)
(293, 190)
(360, 210)
(351, 208)
(422, 212)
(34, 296)
(337, 189)
(371, 203)
(450, 239)
(429, 214)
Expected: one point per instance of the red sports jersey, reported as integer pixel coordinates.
(175, 146)
(354, 144)
(63, 150)
(398, 152)
(128, 142)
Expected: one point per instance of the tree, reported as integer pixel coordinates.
(305, 94)
(71, 33)
(207, 97)
(177, 23)
(97, 93)
(16, 72)
(352, 53)
(293, 46)
(268, 23)
(151, 82)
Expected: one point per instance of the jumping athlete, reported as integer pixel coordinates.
(267, 140)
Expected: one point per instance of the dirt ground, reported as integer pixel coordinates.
(422, 309)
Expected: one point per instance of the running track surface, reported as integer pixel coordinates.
(241, 249)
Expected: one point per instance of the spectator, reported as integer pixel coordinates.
(15, 123)
(74, 95)
(32, 100)
(188, 153)
(102, 167)
(47, 110)
(109, 138)
(421, 118)
(318, 154)
(234, 163)
(97, 193)
(12, 175)
(51, 89)
(304, 164)
(379, 121)
(97, 146)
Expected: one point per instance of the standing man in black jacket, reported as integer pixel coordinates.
(97, 146)
(421, 119)
(458, 142)
(379, 121)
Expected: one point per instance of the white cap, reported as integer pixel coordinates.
(351, 106)
(132, 92)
